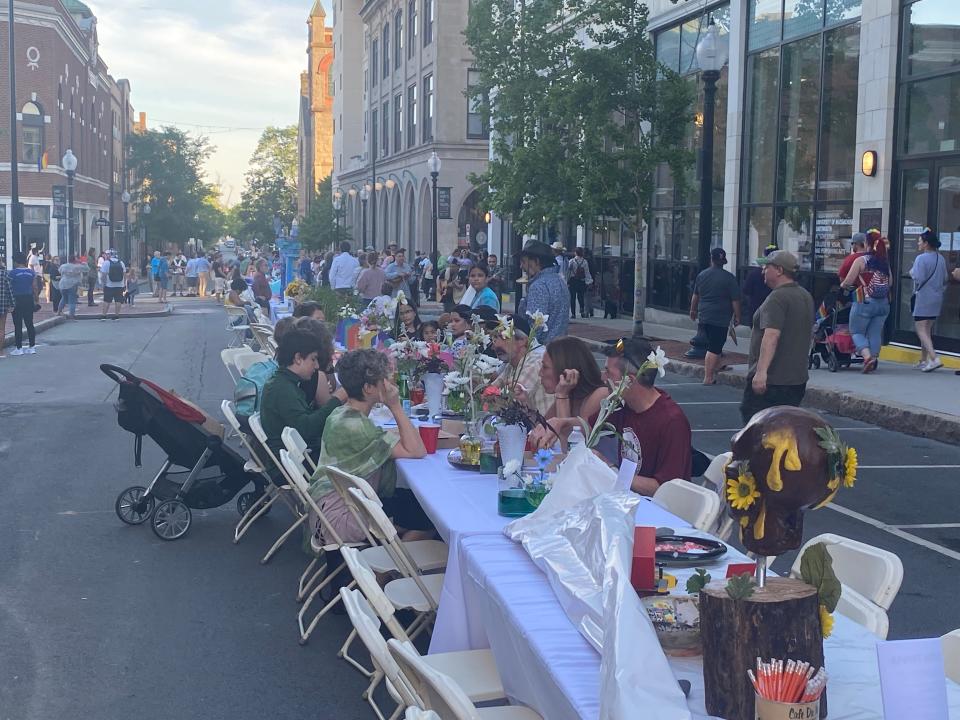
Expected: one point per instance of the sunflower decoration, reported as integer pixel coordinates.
(296, 288)
(826, 622)
(742, 490)
(850, 468)
(841, 460)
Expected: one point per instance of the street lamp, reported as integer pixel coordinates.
(337, 202)
(711, 57)
(433, 165)
(125, 198)
(364, 196)
(146, 211)
(70, 165)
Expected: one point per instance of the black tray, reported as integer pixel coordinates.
(713, 551)
(456, 460)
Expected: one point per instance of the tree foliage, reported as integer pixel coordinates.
(319, 230)
(169, 164)
(271, 185)
(581, 111)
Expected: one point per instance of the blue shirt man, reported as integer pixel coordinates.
(546, 291)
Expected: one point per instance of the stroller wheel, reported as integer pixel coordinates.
(131, 507)
(833, 363)
(245, 501)
(816, 361)
(171, 520)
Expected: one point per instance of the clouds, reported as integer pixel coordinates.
(194, 63)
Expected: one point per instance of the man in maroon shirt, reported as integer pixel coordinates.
(261, 286)
(655, 433)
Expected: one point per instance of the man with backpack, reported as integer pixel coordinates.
(112, 274)
(578, 279)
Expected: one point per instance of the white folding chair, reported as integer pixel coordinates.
(239, 316)
(474, 669)
(426, 555)
(299, 515)
(244, 360)
(261, 316)
(697, 505)
(863, 612)
(228, 356)
(951, 655)
(714, 475)
(439, 692)
(874, 573)
(263, 335)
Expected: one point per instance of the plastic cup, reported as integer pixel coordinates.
(430, 434)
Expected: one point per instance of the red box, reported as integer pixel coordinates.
(734, 569)
(643, 570)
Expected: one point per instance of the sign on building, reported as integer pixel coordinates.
(443, 203)
(60, 202)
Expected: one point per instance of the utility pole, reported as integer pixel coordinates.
(14, 156)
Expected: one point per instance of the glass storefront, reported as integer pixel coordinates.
(675, 243)
(927, 177)
(800, 119)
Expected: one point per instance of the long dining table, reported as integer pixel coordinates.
(495, 597)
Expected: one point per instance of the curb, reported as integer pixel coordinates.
(907, 419)
(133, 315)
(38, 328)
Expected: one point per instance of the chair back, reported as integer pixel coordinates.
(874, 573)
(438, 692)
(863, 612)
(951, 655)
(226, 407)
(297, 475)
(376, 597)
(297, 447)
(714, 472)
(260, 434)
(342, 481)
(228, 356)
(695, 504)
(367, 625)
(235, 311)
(245, 359)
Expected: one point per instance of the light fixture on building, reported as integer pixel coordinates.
(868, 163)
(486, 217)
(698, 119)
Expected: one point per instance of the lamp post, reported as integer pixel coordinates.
(433, 165)
(711, 57)
(364, 196)
(125, 198)
(15, 219)
(146, 212)
(70, 165)
(337, 202)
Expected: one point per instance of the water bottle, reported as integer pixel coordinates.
(404, 389)
(576, 438)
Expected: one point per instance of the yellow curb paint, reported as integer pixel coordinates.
(911, 356)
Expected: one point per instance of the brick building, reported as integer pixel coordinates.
(65, 99)
(315, 130)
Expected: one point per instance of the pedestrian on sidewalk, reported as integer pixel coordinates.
(6, 302)
(578, 278)
(93, 273)
(35, 263)
(190, 272)
(755, 290)
(219, 271)
(203, 274)
(163, 273)
(870, 279)
(132, 285)
(23, 286)
(112, 277)
(715, 302)
(72, 274)
(930, 280)
(546, 292)
(155, 273)
(343, 270)
(178, 271)
(52, 269)
(780, 342)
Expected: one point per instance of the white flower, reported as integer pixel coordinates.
(511, 467)
(539, 320)
(421, 348)
(455, 381)
(401, 298)
(505, 326)
(658, 359)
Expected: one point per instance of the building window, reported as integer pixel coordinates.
(31, 126)
(476, 127)
(386, 50)
(374, 62)
(428, 108)
(411, 27)
(398, 39)
(385, 129)
(331, 82)
(799, 159)
(374, 127)
(428, 9)
(411, 116)
(398, 123)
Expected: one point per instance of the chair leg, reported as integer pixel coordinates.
(396, 713)
(282, 539)
(306, 632)
(309, 577)
(421, 623)
(367, 694)
(344, 653)
(254, 513)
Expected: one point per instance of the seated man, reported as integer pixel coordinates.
(310, 309)
(248, 392)
(354, 444)
(303, 355)
(513, 352)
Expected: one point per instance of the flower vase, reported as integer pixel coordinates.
(433, 385)
(470, 445)
(457, 402)
(513, 441)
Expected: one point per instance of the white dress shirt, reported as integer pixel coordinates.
(343, 269)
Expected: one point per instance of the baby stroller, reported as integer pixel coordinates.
(832, 342)
(192, 440)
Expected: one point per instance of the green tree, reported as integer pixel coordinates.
(319, 230)
(271, 184)
(169, 164)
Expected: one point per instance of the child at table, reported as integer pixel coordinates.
(429, 331)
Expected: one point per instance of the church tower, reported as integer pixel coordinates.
(316, 108)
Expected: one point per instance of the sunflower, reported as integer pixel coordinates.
(826, 622)
(850, 468)
(742, 492)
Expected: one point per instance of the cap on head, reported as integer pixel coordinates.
(859, 239)
(718, 256)
(558, 246)
(783, 259)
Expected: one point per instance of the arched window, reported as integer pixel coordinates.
(398, 39)
(385, 44)
(331, 82)
(32, 131)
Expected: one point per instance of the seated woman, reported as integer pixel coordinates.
(354, 444)
(479, 277)
(459, 321)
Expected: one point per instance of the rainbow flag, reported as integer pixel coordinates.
(43, 161)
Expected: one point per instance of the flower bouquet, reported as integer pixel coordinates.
(296, 289)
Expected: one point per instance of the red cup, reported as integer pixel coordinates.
(417, 396)
(430, 434)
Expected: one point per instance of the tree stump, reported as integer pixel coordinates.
(780, 621)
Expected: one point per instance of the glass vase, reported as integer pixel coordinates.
(470, 445)
(513, 441)
(433, 385)
(457, 402)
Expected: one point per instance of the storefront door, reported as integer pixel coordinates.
(929, 196)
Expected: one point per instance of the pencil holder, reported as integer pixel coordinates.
(771, 710)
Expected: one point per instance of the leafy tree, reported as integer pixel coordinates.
(169, 163)
(271, 184)
(319, 230)
(582, 114)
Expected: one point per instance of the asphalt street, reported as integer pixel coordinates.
(103, 621)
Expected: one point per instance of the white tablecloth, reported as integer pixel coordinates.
(546, 664)
(279, 309)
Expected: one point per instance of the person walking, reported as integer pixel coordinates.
(35, 263)
(93, 272)
(371, 279)
(715, 302)
(780, 342)
(132, 285)
(112, 277)
(428, 270)
(578, 278)
(51, 268)
(178, 271)
(561, 260)
(930, 280)
(23, 287)
(399, 274)
(6, 303)
(154, 273)
(203, 274)
(546, 292)
(755, 290)
(870, 279)
(163, 275)
(72, 274)
(191, 275)
(343, 270)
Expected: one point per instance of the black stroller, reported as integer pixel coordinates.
(191, 439)
(832, 341)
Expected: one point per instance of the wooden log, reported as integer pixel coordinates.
(780, 621)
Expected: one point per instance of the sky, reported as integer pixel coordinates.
(226, 70)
